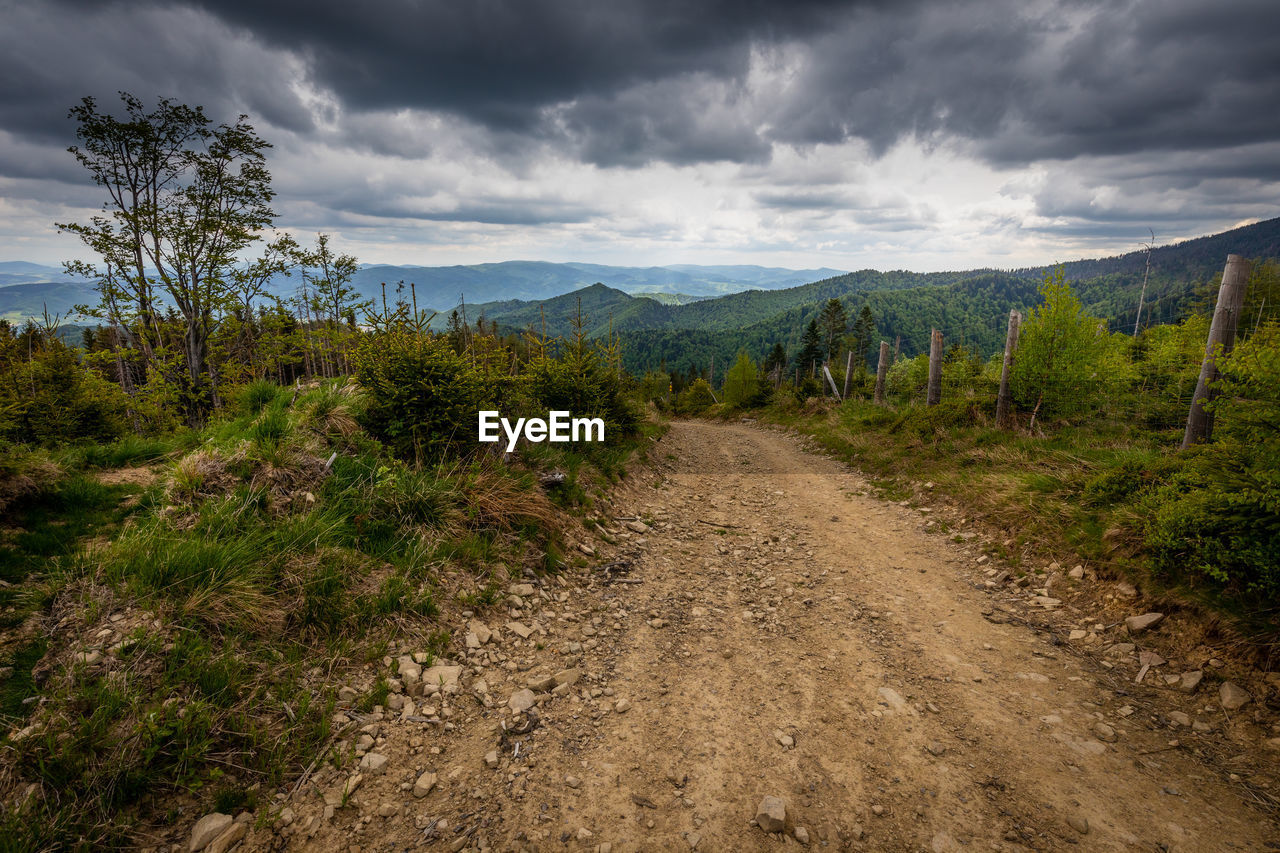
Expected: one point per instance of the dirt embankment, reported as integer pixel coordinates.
(779, 632)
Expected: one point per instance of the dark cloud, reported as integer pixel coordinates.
(636, 81)
(1171, 101)
(51, 56)
(499, 63)
(1077, 79)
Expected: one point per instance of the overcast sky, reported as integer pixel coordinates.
(892, 134)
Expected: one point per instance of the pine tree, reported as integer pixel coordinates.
(833, 322)
(864, 330)
(810, 348)
(776, 360)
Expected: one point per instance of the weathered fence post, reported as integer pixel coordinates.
(826, 372)
(848, 372)
(1222, 337)
(935, 369)
(1010, 344)
(882, 371)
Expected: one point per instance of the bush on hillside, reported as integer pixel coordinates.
(695, 399)
(422, 396)
(1219, 519)
(742, 382)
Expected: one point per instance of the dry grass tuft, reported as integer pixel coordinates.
(23, 474)
(500, 501)
(288, 485)
(197, 476)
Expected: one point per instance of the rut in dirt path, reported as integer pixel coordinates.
(790, 636)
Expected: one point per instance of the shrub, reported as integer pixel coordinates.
(742, 382)
(1061, 363)
(695, 399)
(581, 383)
(52, 398)
(908, 376)
(422, 396)
(1220, 517)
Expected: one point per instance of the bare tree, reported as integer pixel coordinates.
(1143, 295)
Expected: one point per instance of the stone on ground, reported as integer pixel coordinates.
(207, 829)
(521, 701)
(425, 783)
(1232, 696)
(228, 839)
(771, 814)
(1138, 624)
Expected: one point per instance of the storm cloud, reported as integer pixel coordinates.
(832, 128)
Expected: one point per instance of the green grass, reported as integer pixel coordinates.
(254, 587)
(129, 451)
(20, 685)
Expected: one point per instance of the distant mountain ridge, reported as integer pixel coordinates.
(767, 304)
(443, 287)
(969, 306)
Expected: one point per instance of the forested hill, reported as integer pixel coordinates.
(971, 312)
(601, 304)
(1190, 260)
(969, 307)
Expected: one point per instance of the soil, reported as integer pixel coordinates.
(782, 632)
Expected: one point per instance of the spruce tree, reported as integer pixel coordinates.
(833, 322)
(810, 348)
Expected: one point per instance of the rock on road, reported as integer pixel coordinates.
(790, 637)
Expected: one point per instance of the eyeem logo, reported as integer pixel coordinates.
(557, 427)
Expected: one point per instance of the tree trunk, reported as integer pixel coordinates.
(1010, 344)
(935, 369)
(882, 371)
(1222, 337)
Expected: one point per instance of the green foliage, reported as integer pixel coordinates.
(256, 395)
(908, 377)
(48, 397)
(864, 330)
(695, 399)
(742, 382)
(655, 387)
(811, 351)
(833, 321)
(1059, 369)
(185, 199)
(1220, 517)
(423, 396)
(582, 383)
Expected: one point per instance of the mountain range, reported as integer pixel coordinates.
(683, 316)
(26, 289)
(970, 307)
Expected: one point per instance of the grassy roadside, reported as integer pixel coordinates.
(1078, 493)
(180, 641)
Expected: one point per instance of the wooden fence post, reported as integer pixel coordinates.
(935, 369)
(826, 372)
(1010, 344)
(848, 372)
(882, 371)
(1222, 337)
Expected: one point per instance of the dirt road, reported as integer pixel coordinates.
(789, 636)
